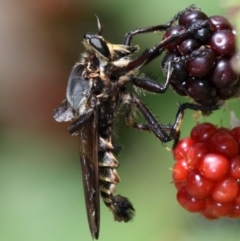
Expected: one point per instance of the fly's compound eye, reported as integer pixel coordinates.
(98, 44)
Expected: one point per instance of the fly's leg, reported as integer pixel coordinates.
(162, 27)
(166, 133)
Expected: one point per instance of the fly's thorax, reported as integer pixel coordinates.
(99, 75)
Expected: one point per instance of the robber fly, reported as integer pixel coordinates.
(97, 88)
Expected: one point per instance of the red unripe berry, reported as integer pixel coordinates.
(223, 129)
(207, 171)
(190, 203)
(235, 132)
(215, 209)
(195, 153)
(208, 214)
(235, 213)
(235, 167)
(237, 199)
(203, 132)
(179, 185)
(222, 142)
(180, 170)
(180, 151)
(213, 166)
(198, 186)
(225, 190)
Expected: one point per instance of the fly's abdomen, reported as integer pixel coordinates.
(121, 207)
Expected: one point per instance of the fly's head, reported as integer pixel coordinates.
(98, 45)
(105, 51)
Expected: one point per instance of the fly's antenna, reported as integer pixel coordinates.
(100, 28)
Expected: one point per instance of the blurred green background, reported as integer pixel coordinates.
(41, 194)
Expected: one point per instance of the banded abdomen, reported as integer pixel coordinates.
(108, 178)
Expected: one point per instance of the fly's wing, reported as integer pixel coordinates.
(88, 148)
(63, 112)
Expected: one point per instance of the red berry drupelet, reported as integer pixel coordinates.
(206, 173)
(206, 78)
